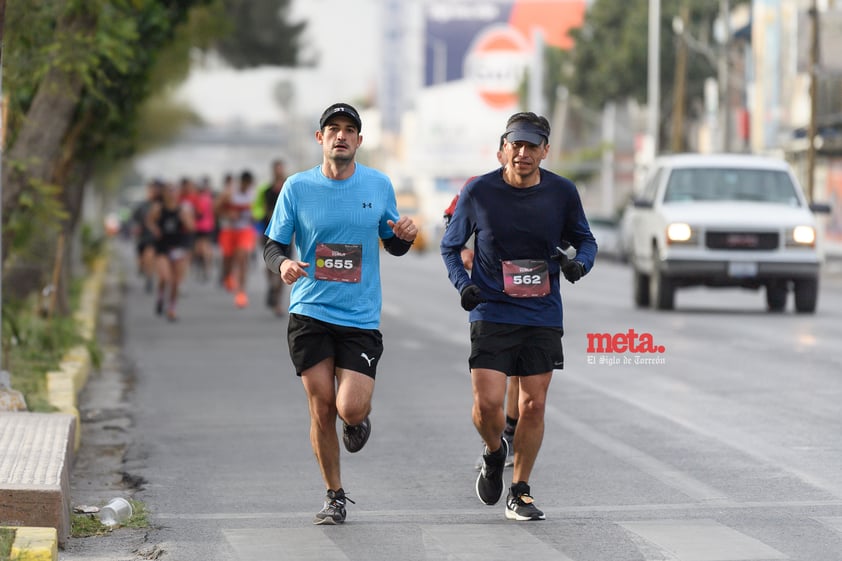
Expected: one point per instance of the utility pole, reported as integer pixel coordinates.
(725, 73)
(811, 132)
(679, 25)
(654, 74)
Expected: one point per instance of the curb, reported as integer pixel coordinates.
(63, 387)
(34, 544)
(64, 384)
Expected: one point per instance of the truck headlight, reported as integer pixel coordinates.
(679, 232)
(801, 236)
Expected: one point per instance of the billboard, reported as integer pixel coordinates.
(476, 55)
(489, 43)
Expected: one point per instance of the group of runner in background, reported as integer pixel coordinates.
(187, 225)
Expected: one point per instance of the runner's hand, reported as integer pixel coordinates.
(404, 228)
(573, 270)
(292, 270)
(471, 297)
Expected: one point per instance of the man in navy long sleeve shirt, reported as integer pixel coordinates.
(521, 215)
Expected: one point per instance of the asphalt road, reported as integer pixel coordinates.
(725, 446)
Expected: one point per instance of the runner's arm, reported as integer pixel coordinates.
(275, 253)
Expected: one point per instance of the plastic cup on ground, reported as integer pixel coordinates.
(116, 512)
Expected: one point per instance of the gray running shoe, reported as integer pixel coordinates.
(520, 505)
(355, 436)
(489, 484)
(334, 510)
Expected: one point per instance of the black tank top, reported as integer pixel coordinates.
(172, 228)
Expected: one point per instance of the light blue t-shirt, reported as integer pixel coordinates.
(313, 210)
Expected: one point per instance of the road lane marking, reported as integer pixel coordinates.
(832, 522)
(666, 474)
(700, 540)
(661, 398)
(416, 514)
(462, 542)
(299, 544)
(472, 542)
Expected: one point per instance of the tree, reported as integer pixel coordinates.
(609, 60)
(259, 34)
(75, 72)
(79, 75)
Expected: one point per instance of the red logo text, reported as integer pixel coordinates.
(629, 342)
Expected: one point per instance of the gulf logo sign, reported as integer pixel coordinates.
(496, 63)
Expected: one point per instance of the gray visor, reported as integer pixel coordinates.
(525, 132)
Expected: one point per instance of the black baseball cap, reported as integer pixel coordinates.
(340, 109)
(523, 131)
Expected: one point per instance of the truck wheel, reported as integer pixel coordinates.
(806, 295)
(640, 286)
(776, 293)
(661, 291)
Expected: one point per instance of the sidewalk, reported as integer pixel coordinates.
(40, 448)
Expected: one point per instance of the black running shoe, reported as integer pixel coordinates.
(520, 505)
(334, 510)
(490, 479)
(355, 436)
(510, 455)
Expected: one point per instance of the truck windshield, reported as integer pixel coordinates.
(719, 184)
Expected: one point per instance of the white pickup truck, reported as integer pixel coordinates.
(730, 220)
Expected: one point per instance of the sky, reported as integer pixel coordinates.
(348, 68)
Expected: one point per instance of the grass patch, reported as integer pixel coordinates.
(34, 345)
(7, 539)
(88, 525)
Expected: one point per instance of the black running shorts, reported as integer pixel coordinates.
(312, 340)
(516, 350)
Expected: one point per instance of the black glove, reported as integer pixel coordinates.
(471, 297)
(573, 270)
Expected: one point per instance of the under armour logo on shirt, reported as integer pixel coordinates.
(366, 205)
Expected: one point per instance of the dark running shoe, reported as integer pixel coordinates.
(334, 510)
(490, 478)
(520, 505)
(355, 436)
(510, 456)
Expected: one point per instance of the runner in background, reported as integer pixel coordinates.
(264, 205)
(237, 235)
(203, 204)
(225, 268)
(144, 237)
(171, 222)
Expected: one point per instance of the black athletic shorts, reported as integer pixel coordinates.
(516, 350)
(312, 340)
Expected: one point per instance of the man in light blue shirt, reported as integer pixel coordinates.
(337, 213)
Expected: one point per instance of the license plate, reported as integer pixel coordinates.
(740, 269)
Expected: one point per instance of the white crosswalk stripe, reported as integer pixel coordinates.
(701, 540)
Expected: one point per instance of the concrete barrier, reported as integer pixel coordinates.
(36, 456)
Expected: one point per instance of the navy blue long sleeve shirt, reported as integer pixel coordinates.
(516, 223)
